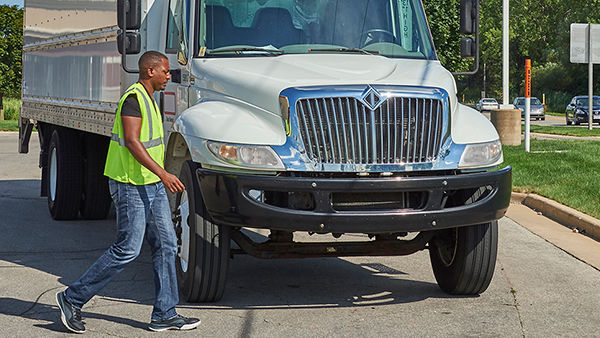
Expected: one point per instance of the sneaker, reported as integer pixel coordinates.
(176, 323)
(70, 315)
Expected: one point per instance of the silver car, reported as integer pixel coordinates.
(487, 104)
(537, 110)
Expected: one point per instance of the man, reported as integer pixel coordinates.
(137, 182)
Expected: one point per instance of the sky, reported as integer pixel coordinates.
(12, 2)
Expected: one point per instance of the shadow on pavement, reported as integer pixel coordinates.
(66, 248)
(49, 313)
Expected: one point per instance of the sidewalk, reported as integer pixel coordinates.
(558, 224)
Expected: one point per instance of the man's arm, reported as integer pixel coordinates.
(131, 132)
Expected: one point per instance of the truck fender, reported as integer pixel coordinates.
(470, 126)
(228, 123)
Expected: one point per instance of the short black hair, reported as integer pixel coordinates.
(150, 59)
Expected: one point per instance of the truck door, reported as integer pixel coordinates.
(174, 99)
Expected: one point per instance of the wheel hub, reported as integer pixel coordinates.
(447, 245)
(184, 247)
(53, 173)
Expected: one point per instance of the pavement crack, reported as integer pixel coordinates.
(513, 293)
(37, 300)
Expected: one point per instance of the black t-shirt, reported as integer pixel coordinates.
(131, 106)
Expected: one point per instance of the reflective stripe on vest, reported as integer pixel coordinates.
(147, 144)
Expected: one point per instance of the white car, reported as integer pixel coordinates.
(487, 104)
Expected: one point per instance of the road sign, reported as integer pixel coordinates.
(580, 35)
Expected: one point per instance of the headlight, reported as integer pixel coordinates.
(259, 157)
(481, 155)
(581, 112)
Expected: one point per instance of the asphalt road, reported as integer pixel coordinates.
(537, 291)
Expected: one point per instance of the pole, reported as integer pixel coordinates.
(590, 80)
(527, 103)
(505, 51)
(484, 78)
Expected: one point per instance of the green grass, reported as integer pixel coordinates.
(564, 170)
(11, 108)
(555, 113)
(12, 125)
(566, 130)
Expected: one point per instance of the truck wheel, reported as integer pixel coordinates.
(463, 259)
(95, 199)
(64, 175)
(203, 247)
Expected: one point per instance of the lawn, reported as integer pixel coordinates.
(11, 125)
(566, 130)
(564, 170)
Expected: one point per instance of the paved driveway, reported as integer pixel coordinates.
(537, 291)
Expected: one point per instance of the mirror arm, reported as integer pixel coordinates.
(473, 72)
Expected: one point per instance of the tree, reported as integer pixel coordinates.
(11, 44)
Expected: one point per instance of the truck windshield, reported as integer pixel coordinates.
(393, 28)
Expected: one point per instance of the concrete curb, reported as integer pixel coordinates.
(561, 213)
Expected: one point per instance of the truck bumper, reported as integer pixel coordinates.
(228, 201)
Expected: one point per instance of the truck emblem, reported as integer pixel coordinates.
(371, 98)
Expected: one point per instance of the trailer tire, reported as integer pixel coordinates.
(64, 175)
(203, 247)
(95, 197)
(463, 259)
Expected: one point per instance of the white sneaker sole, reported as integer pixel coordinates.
(183, 328)
(62, 316)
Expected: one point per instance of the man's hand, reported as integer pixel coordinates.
(172, 183)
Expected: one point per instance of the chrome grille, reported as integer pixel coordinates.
(343, 130)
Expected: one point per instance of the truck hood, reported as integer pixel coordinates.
(259, 80)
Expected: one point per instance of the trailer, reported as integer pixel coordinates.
(329, 117)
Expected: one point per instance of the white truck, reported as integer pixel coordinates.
(320, 116)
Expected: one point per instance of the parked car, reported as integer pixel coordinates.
(537, 110)
(487, 104)
(577, 110)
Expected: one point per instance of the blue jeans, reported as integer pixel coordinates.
(142, 210)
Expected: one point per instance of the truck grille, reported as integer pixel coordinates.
(343, 130)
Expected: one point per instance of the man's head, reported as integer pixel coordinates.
(154, 69)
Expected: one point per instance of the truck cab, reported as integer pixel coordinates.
(328, 117)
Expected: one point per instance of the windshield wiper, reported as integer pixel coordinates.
(345, 50)
(270, 51)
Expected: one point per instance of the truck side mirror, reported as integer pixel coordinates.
(467, 48)
(129, 41)
(132, 44)
(468, 16)
(469, 25)
(129, 14)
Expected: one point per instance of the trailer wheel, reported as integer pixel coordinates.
(463, 259)
(95, 199)
(64, 175)
(203, 247)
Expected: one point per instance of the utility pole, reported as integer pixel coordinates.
(505, 51)
(484, 78)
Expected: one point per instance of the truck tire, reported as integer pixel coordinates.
(64, 175)
(95, 197)
(203, 247)
(463, 259)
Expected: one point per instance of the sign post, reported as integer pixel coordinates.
(585, 48)
(527, 103)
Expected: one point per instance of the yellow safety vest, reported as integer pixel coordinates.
(120, 164)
